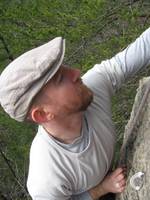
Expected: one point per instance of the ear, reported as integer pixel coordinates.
(39, 115)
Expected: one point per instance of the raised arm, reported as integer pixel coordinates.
(133, 58)
(113, 72)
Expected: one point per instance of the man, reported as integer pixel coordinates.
(73, 150)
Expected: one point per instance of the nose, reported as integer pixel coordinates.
(76, 73)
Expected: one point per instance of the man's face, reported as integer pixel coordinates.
(65, 93)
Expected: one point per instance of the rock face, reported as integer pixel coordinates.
(135, 152)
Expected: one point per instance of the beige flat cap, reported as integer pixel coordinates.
(22, 79)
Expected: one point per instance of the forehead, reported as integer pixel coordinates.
(53, 79)
(62, 68)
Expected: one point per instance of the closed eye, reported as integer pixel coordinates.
(59, 78)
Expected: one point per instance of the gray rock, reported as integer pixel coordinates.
(135, 152)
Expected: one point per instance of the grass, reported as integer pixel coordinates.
(94, 30)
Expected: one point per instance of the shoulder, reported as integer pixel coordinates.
(48, 189)
(45, 174)
(46, 182)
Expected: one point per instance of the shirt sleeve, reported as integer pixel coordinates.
(124, 64)
(131, 60)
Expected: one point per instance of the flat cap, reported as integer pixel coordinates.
(23, 78)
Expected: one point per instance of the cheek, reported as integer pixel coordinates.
(69, 95)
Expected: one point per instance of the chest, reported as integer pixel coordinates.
(82, 171)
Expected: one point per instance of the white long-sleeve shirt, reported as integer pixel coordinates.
(62, 172)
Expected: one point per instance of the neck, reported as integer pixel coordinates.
(65, 130)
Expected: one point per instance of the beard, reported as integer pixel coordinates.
(87, 98)
(79, 102)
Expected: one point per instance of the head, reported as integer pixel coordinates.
(63, 95)
(23, 78)
(38, 77)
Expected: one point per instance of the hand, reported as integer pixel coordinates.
(113, 182)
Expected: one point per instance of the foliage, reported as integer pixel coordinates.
(94, 30)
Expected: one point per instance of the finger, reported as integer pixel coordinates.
(120, 177)
(122, 183)
(124, 170)
(121, 189)
(117, 172)
(124, 167)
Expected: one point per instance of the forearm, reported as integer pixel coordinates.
(83, 196)
(97, 192)
(135, 56)
(126, 63)
(92, 194)
(132, 59)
